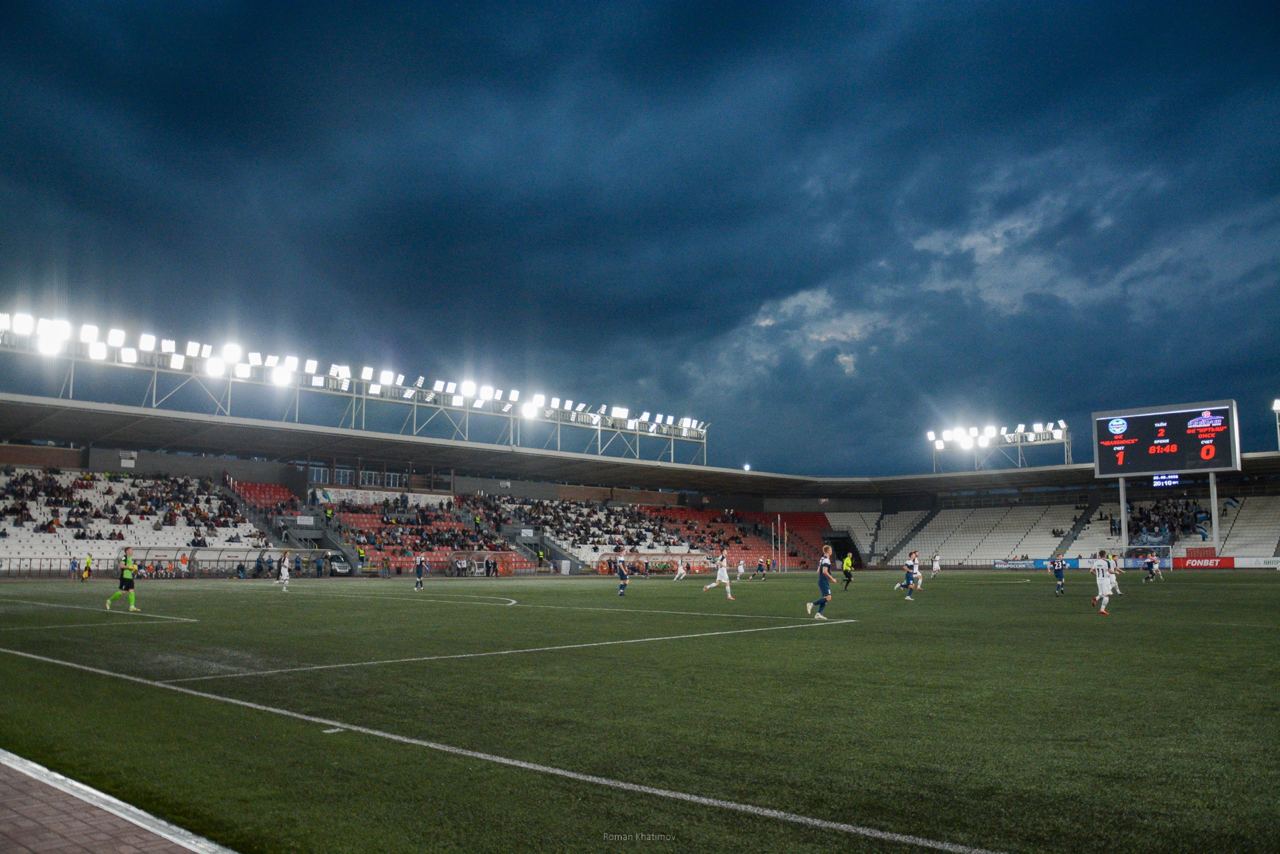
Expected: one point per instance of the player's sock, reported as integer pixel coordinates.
(1103, 603)
(728, 592)
(130, 598)
(115, 596)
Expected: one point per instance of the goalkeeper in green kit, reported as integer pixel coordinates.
(127, 569)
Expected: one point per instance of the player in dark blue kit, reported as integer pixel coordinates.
(1058, 567)
(623, 577)
(824, 586)
(418, 569)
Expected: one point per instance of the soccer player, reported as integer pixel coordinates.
(1116, 572)
(623, 576)
(86, 571)
(847, 566)
(824, 586)
(759, 570)
(1102, 573)
(742, 568)
(418, 568)
(284, 572)
(937, 566)
(681, 571)
(911, 574)
(127, 569)
(1152, 564)
(1058, 567)
(722, 576)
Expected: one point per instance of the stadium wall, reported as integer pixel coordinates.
(44, 457)
(543, 491)
(180, 465)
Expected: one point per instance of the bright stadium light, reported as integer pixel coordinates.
(619, 412)
(514, 395)
(98, 351)
(386, 377)
(311, 366)
(419, 382)
(193, 349)
(206, 351)
(243, 371)
(983, 441)
(6, 322)
(399, 379)
(456, 400)
(555, 403)
(215, 367)
(581, 406)
(168, 345)
(280, 375)
(375, 388)
(88, 334)
(966, 442)
(1030, 437)
(115, 338)
(973, 431)
(931, 436)
(939, 445)
(176, 361)
(450, 388)
(147, 342)
(486, 392)
(271, 361)
(317, 381)
(1062, 424)
(644, 416)
(1058, 434)
(366, 374)
(255, 359)
(568, 405)
(128, 355)
(1275, 405)
(1038, 427)
(23, 324)
(290, 363)
(746, 466)
(671, 420)
(539, 400)
(989, 430)
(477, 403)
(467, 388)
(345, 383)
(947, 435)
(1020, 428)
(231, 353)
(1004, 430)
(437, 386)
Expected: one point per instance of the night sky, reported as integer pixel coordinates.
(823, 228)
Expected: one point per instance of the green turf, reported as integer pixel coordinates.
(987, 713)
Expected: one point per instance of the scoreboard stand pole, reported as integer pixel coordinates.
(1124, 519)
(1213, 510)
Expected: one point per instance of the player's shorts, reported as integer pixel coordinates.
(126, 584)
(622, 576)
(1104, 586)
(824, 587)
(908, 578)
(1058, 574)
(722, 575)
(848, 576)
(1112, 584)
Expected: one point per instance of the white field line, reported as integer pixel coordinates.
(122, 613)
(136, 622)
(604, 782)
(493, 653)
(559, 607)
(116, 807)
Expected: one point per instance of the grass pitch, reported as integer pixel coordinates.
(988, 713)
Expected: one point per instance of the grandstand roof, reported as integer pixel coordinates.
(27, 418)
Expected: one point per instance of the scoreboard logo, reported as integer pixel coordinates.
(1118, 426)
(1206, 419)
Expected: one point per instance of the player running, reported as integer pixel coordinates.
(127, 570)
(1151, 564)
(911, 576)
(937, 566)
(722, 576)
(1116, 572)
(759, 570)
(681, 570)
(1058, 567)
(742, 568)
(1102, 573)
(824, 586)
(847, 566)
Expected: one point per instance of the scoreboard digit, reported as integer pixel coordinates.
(1189, 438)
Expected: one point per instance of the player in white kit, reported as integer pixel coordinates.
(283, 580)
(681, 572)
(722, 576)
(937, 566)
(1103, 575)
(1116, 572)
(742, 568)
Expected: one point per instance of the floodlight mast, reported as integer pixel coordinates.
(173, 363)
(987, 442)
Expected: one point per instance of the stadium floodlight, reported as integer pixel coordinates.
(619, 412)
(88, 334)
(386, 377)
(317, 381)
(98, 351)
(437, 386)
(420, 382)
(147, 342)
(345, 384)
(168, 345)
(456, 400)
(5, 321)
(271, 361)
(1062, 424)
(231, 353)
(1275, 405)
(176, 361)
(497, 394)
(568, 405)
(581, 406)
(206, 351)
(973, 431)
(290, 363)
(128, 355)
(467, 388)
(255, 359)
(539, 400)
(281, 376)
(632, 424)
(409, 393)
(399, 379)
(604, 407)
(939, 445)
(984, 440)
(1020, 428)
(529, 410)
(478, 402)
(671, 420)
(193, 349)
(243, 371)
(486, 392)
(989, 430)
(966, 442)
(23, 324)
(514, 395)
(1038, 427)
(644, 416)
(1058, 434)
(947, 435)
(506, 407)
(335, 370)
(115, 338)
(746, 466)
(555, 403)
(215, 367)
(931, 436)
(375, 388)
(450, 388)
(1004, 430)
(310, 366)
(1030, 437)
(366, 374)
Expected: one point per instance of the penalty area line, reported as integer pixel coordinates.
(548, 770)
(126, 614)
(523, 651)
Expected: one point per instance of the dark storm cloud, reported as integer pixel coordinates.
(847, 222)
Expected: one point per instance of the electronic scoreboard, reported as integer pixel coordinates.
(1189, 438)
